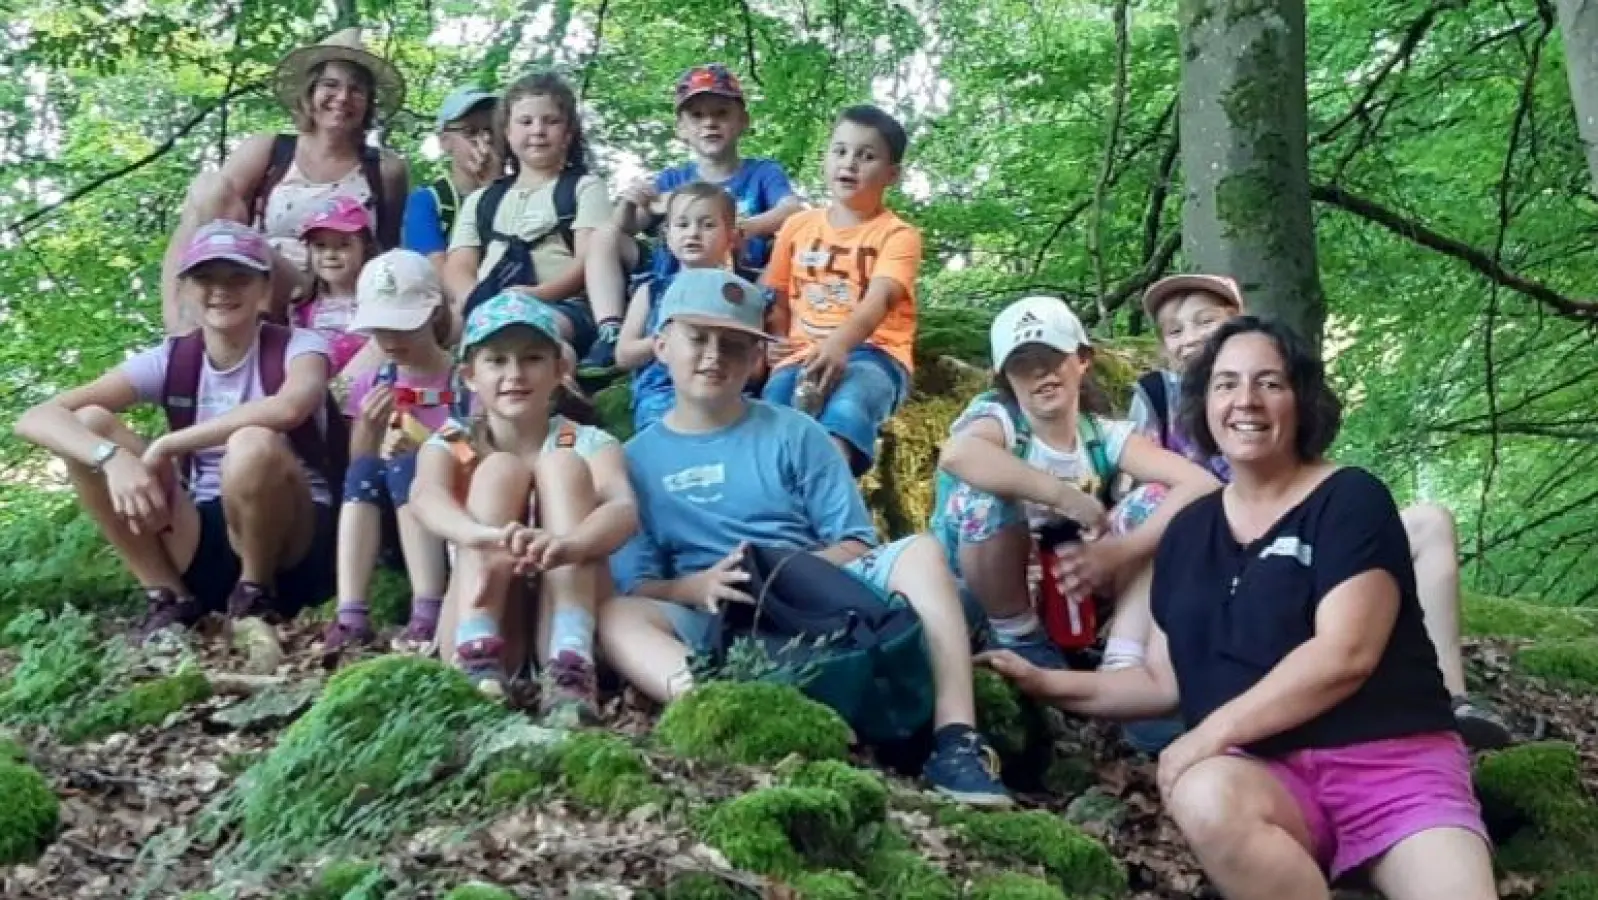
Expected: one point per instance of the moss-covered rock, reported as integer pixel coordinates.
(1015, 727)
(511, 785)
(381, 731)
(752, 723)
(12, 750)
(830, 885)
(1080, 865)
(614, 405)
(1013, 886)
(783, 830)
(1484, 616)
(349, 879)
(478, 890)
(1580, 886)
(865, 792)
(606, 773)
(29, 816)
(1571, 664)
(142, 705)
(1540, 784)
(899, 873)
(700, 886)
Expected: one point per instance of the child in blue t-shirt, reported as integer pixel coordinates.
(466, 135)
(721, 470)
(700, 220)
(711, 118)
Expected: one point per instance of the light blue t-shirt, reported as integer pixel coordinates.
(773, 479)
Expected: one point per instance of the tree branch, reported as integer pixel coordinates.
(1474, 257)
(1412, 38)
(749, 43)
(1112, 139)
(78, 193)
(599, 39)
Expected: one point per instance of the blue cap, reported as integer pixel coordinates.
(504, 310)
(462, 101)
(715, 298)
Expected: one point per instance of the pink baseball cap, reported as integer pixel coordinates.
(228, 241)
(338, 213)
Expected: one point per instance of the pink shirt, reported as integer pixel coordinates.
(330, 317)
(220, 392)
(430, 416)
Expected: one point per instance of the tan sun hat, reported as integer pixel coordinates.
(1166, 289)
(344, 46)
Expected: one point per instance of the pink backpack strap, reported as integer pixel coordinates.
(181, 387)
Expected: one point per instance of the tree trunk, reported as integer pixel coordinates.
(346, 14)
(1578, 22)
(1246, 212)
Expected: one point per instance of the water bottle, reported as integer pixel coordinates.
(807, 397)
(1071, 620)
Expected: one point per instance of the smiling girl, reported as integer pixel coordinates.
(529, 232)
(1036, 451)
(523, 490)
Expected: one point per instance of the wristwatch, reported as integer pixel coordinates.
(103, 454)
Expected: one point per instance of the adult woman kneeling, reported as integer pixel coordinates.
(334, 90)
(1320, 742)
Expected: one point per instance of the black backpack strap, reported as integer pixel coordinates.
(487, 206)
(566, 206)
(1153, 385)
(283, 146)
(388, 224)
(448, 201)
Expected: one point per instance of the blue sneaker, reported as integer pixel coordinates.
(966, 770)
(1036, 648)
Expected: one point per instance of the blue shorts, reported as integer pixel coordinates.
(380, 482)
(871, 389)
(581, 318)
(693, 625)
(215, 569)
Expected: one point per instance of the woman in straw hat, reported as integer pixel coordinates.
(335, 91)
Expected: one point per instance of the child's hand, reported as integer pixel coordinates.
(1027, 678)
(826, 365)
(1079, 506)
(710, 588)
(641, 193)
(137, 493)
(377, 407)
(1087, 567)
(546, 552)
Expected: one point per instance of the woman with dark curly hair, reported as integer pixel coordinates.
(1320, 740)
(334, 91)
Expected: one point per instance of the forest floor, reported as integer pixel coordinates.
(124, 794)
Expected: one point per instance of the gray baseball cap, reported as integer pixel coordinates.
(461, 102)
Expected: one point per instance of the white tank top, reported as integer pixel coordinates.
(296, 197)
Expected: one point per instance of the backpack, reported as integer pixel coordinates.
(1153, 385)
(448, 201)
(835, 638)
(283, 146)
(328, 454)
(515, 265)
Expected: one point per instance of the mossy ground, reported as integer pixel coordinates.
(1570, 664)
(29, 814)
(140, 706)
(479, 891)
(1540, 785)
(751, 723)
(1080, 865)
(1505, 617)
(1013, 886)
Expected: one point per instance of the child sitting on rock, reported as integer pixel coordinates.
(845, 283)
(721, 471)
(1187, 309)
(523, 489)
(395, 408)
(1035, 452)
(700, 233)
(230, 510)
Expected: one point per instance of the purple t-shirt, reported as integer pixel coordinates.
(220, 392)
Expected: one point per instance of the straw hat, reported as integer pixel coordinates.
(344, 46)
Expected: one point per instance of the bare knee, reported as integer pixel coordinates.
(256, 459)
(1215, 808)
(563, 471)
(99, 420)
(500, 487)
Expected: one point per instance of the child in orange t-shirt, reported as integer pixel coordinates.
(844, 278)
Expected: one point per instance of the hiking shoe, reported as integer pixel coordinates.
(1036, 648)
(1481, 728)
(164, 609)
(601, 356)
(340, 637)
(417, 638)
(967, 771)
(481, 661)
(249, 600)
(570, 683)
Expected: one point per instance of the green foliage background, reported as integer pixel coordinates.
(1452, 115)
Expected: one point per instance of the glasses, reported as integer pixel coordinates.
(471, 132)
(335, 85)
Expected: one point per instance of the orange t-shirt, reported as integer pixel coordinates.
(824, 272)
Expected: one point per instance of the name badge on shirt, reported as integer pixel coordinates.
(815, 258)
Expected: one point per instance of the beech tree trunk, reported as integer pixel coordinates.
(1245, 158)
(1578, 23)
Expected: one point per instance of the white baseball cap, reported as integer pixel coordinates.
(1036, 320)
(397, 291)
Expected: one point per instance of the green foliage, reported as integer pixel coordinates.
(1077, 863)
(783, 830)
(62, 665)
(1505, 617)
(29, 816)
(751, 723)
(389, 601)
(865, 792)
(1541, 782)
(139, 706)
(1572, 664)
(1580, 886)
(830, 885)
(999, 712)
(1013, 886)
(898, 873)
(604, 772)
(615, 407)
(700, 886)
(12, 750)
(349, 879)
(351, 769)
(477, 890)
(507, 786)
(51, 554)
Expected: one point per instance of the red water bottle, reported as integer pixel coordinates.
(1070, 620)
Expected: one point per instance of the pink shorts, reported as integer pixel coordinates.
(1361, 800)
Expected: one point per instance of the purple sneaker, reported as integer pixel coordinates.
(483, 664)
(570, 683)
(164, 609)
(418, 636)
(340, 637)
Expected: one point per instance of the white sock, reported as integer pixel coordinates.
(1122, 653)
(571, 630)
(1013, 628)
